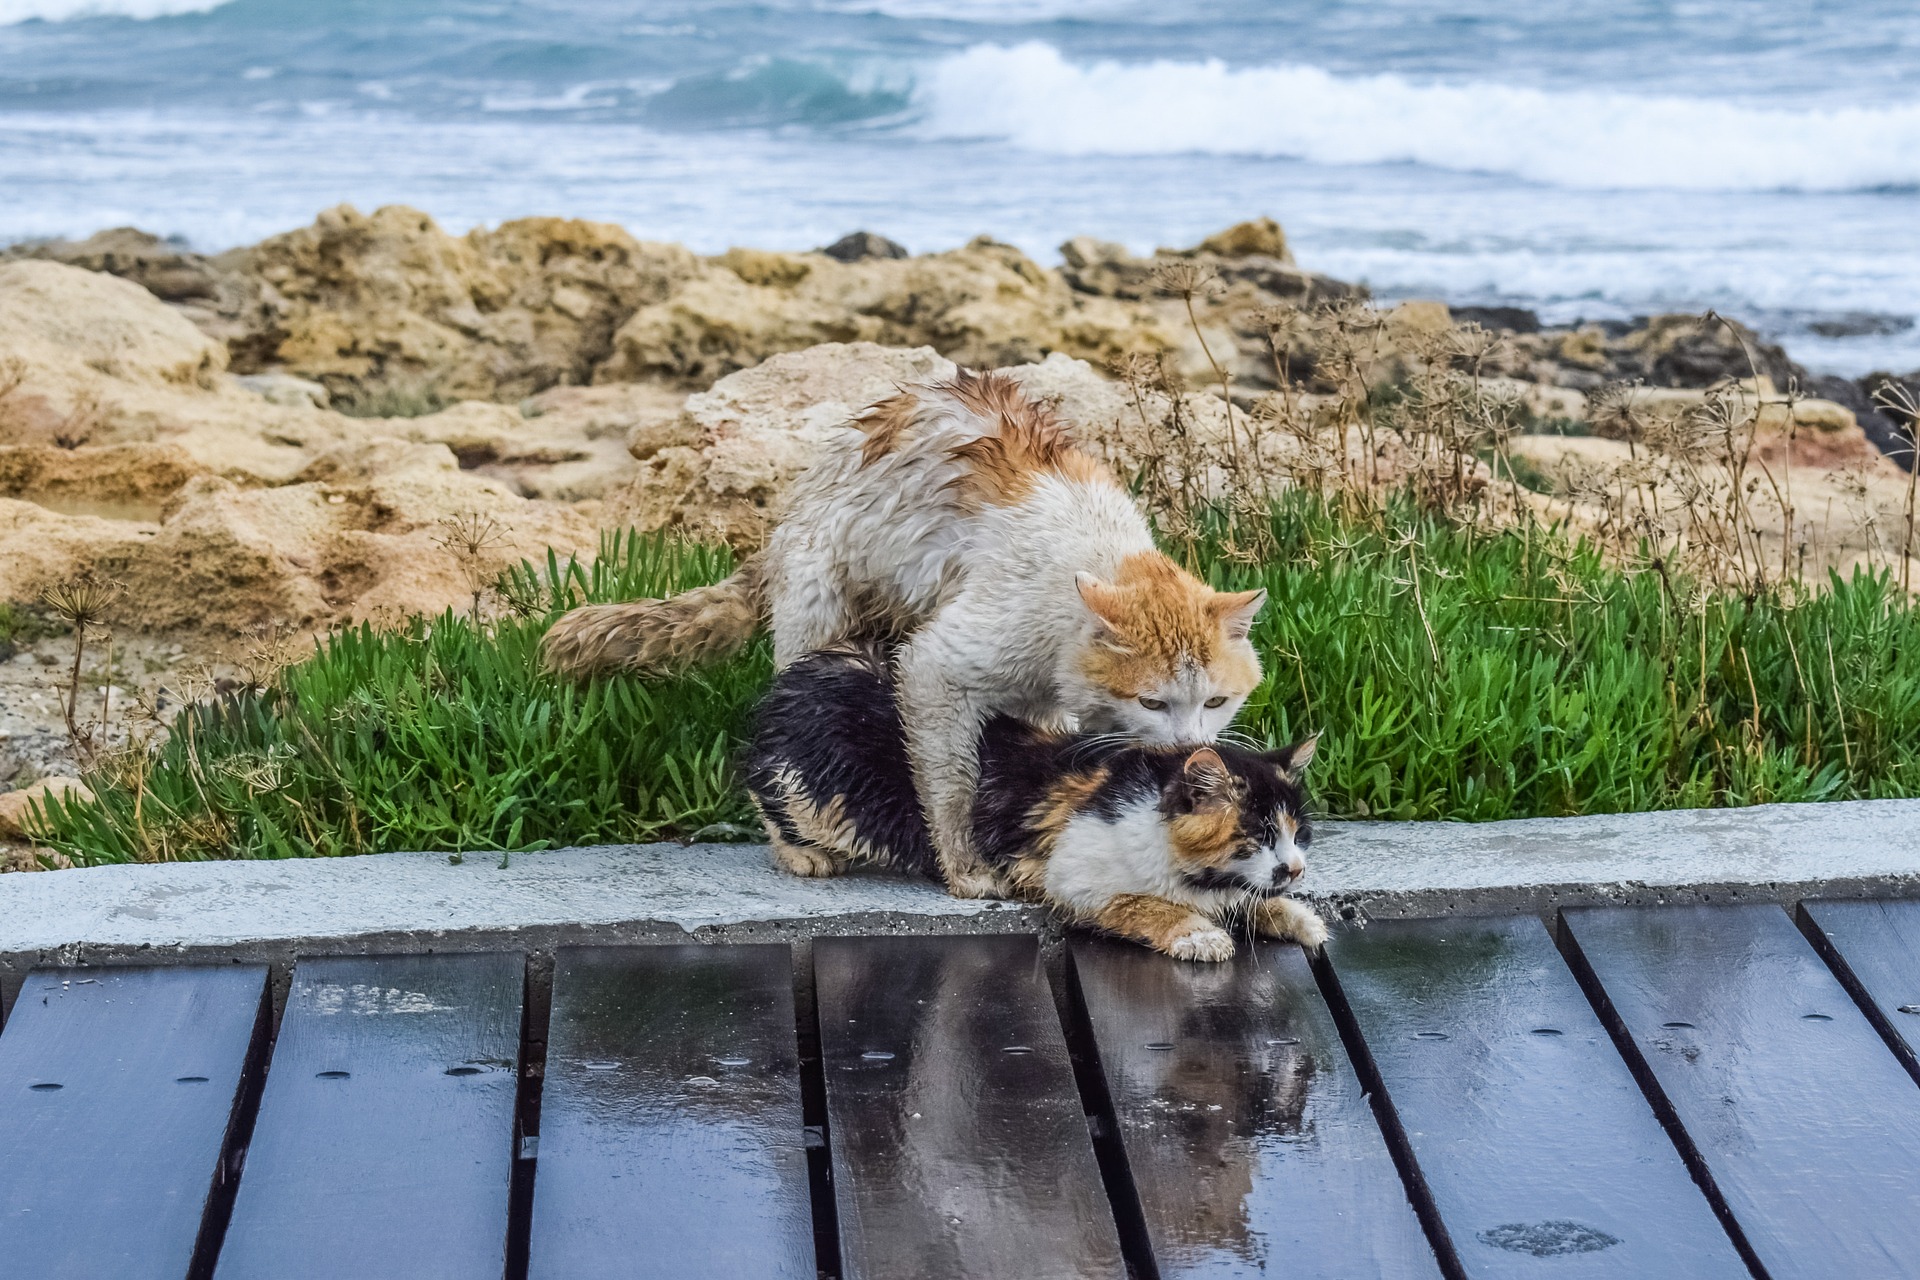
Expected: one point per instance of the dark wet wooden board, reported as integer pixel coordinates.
(109, 1174)
(1879, 948)
(1807, 1123)
(1250, 1140)
(671, 1137)
(384, 1144)
(1537, 1145)
(960, 1148)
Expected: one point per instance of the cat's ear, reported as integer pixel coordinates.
(1103, 600)
(1293, 760)
(1203, 782)
(1207, 773)
(1237, 610)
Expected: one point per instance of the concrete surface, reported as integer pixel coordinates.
(1355, 871)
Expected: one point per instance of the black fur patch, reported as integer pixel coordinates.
(830, 719)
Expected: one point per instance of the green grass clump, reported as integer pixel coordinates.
(1460, 674)
(441, 736)
(1456, 673)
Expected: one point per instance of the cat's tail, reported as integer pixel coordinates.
(655, 637)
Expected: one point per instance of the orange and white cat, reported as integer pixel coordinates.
(1018, 575)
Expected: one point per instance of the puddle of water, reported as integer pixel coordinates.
(104, 508)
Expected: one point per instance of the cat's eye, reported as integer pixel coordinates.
(1153, 704)
(1218, 700)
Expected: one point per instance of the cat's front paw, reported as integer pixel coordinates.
(1291, 921)
(978, 884)
(1206, 942)
(801, 861)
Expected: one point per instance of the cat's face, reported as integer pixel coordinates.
(1239, 826)
(1169, 663)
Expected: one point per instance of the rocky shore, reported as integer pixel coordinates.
(283, 436)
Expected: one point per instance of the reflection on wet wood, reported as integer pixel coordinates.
(1807, 1123)
(117, 1087)
(385, 1139)
(1879, 947)
(1250, 1141)
(671, 1140)
(959, 1145)
(1528, 1127)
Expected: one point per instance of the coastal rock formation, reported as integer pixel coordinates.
(718, 468)
(986, 305)
(390, 301)
(362, 540)
(721, 466)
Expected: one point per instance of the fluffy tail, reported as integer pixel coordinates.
(652, 637)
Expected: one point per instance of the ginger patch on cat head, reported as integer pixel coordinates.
(1156, 617)
(1204, 827)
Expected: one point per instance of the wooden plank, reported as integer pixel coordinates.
(1806, 1123)
(671, 1138)
(118, 1088)
(1876, 946)
(1250, 1140)
(385, 1139)
(1531, 1134)
(960, 1148)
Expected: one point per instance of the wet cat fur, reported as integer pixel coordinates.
(1163, 845)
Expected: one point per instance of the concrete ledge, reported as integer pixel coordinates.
(422, 901)
(1780, 852)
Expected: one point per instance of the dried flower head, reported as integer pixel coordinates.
(1185, 278)
(82, 601)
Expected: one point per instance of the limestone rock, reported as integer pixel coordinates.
(355, 541)
(54, 315)
(985, 305)
(720, 468)
(284, 388)
(16, 807)
(1258, 238)
(164, 268)
(358, 301)
(864, 244)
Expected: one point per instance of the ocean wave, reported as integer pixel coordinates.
(772, 92)
(1034, 98)
(16, 11)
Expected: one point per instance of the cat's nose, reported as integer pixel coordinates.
(1288, 870)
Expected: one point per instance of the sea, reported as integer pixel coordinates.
(1595, 160)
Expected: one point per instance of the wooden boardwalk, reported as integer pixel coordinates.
(1624, 1092)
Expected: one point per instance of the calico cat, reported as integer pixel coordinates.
(1157, 844)
(1022, 579)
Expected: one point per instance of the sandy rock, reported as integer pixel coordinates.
(1413, 321)
(16, 807)
(55, 316)
(390, 300)
(986, 305)
(1684, 351)
(864, 244)
(359, 543)
(720, 467)
(284, 388)
(119, 481)
(89, 359)
(1258, 238)
(165, 268)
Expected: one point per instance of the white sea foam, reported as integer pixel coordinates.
(12, 11)
(1033, 97)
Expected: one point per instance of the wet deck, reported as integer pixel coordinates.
(1692, 1091)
